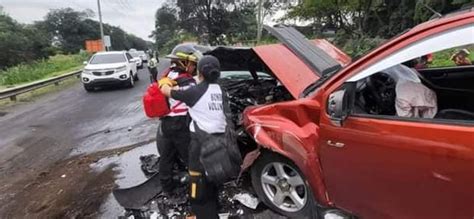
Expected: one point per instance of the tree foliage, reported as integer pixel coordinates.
(207, 21)
(20, 43)
(72, 28)
(62, 30)
(362, 24)
(371, 18)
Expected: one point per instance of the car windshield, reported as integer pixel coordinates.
(135, 54)
(108, 59)
(242, 75)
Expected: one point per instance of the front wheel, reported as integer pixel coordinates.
(136, 77)
(89, 88)
(282, 187)
(131, 81)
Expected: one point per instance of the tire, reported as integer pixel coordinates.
(89, 88)
(296, 199)
(136, 77)
(131, 81)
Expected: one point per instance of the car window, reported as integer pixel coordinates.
(107, 59)
(244, 75)
(129, 57)
(135, 54)
(457, 37)
(459, 56)
(406, 90)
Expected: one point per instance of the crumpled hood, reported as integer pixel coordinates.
(292, 70)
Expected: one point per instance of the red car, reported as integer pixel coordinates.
(372, 138)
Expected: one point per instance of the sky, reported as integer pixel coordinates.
(134, 16)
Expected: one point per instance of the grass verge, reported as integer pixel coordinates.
(29, 96)
(55, 65)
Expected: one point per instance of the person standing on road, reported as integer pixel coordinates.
(173, 135)
(207, 113)
(152, 67)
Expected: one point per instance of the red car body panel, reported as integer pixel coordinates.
(389, 168)
(292, 71)
(333, 51)
(288, 68)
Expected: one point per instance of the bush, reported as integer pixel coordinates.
(37, 70)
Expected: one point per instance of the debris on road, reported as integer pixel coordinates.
(146, 199)
(247, 199)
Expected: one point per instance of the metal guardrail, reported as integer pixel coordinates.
(13, 92)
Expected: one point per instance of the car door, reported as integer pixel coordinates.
(385, 166)
(453, 86)
(132, 63)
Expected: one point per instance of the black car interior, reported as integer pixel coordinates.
(454, 88)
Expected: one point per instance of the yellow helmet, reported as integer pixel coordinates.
(185, 52)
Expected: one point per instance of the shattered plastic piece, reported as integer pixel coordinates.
(129, 128)
(107, 131)
(154, 215)
(63, 176)
(247, 199)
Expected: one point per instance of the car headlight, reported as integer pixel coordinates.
(119, 69)
(87, 72)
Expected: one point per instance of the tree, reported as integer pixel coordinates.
(73, 28)
(166, 26)
(69, 27)
(20, 43)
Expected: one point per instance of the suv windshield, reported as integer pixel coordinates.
(108, 59)
(135, 54)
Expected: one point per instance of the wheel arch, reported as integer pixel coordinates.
(292, 148)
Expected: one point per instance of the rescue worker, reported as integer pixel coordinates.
(173, 135)
(206, 110)
(152, 67)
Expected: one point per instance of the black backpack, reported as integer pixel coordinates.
(220, 155)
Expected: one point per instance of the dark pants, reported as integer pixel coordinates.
(173, 143)
(153, 74)
(203, 193)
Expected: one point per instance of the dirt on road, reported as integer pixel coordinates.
(48, 143)
(68, 189)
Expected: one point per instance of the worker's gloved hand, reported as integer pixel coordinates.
(166, 81)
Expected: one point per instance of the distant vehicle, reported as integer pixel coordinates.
(137, 58)
(143, 56)
(109, 68)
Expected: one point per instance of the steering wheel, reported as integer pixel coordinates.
(381, 88)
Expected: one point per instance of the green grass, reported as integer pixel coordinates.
(443, 58)
(55, 65)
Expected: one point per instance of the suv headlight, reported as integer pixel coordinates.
(87, 72)
(119, 69)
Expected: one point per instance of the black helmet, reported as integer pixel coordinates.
(209, 66)
(185, 52)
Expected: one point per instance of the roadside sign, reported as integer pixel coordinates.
(107, 41)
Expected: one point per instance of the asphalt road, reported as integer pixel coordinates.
(36, 134)
(37, 138)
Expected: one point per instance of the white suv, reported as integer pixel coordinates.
(109, 68)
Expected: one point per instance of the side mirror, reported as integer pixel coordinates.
(337, 107)
(84, 63)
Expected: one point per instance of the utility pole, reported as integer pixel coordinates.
(259, 21)
(101, 27)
